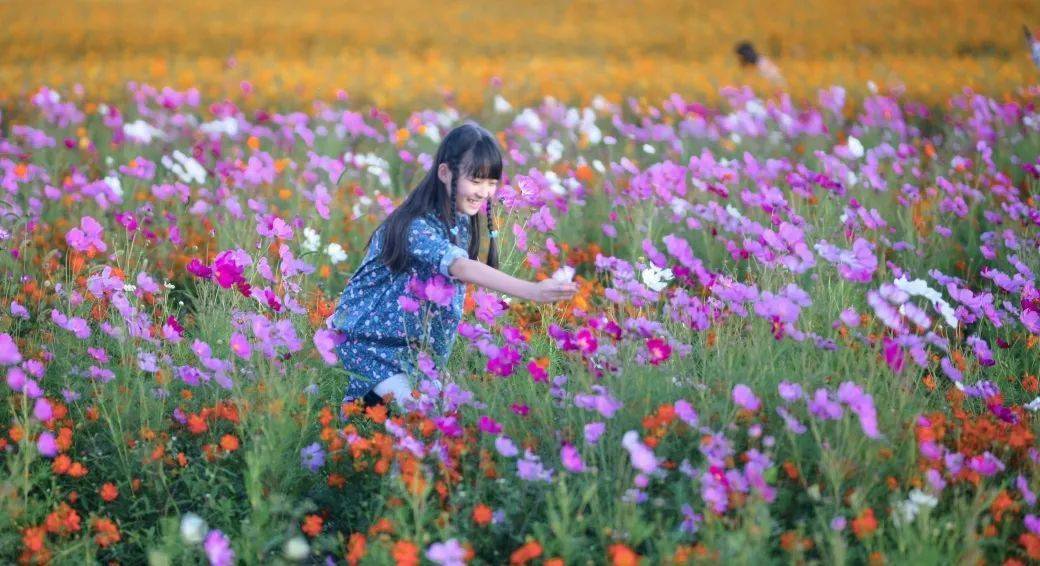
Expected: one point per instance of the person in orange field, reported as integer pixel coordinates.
(749, 57)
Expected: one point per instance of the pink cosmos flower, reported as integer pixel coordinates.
(743, 396)
(86, 236)
(571, 459)
(660, 350)
(9, 354)
(47, 445)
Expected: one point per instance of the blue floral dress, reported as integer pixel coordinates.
(381, 337)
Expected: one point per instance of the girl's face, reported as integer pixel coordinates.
(472, 194)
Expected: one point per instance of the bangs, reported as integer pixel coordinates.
(484, 161)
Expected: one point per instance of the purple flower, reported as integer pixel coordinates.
(602, 402)
(326, 341)
(790, 391)
(862, 404)
(691, 521)
(312, 457)
(822, 407)
(530, 468)
(273, 227)
(447, 553)
(506, 447)
(1032, 522)
(686, 413)
(593, 431)
(218, 549)
(743, 396)
(86, 236)
(9, 354)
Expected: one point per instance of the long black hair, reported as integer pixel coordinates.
(470, 151)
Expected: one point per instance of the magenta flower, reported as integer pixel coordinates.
(47, 445)
(986, 464)
(87, 236)
(585, 340)
(660, 350)
(571, 459)
(42, 410)
(408, 304)
(218, 549)
(894, 356)
(489, 425)
(439, 290)
(743, 396)
(9, 354)
(199, 269)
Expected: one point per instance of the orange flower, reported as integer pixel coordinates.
(355, 549)
(312, 525)
(229, 442)
(482, 515)
(109, 492)
(33, 539)
(107, 533)
(405, 553)
(526, 553)
(1031, 543)
(621, 555)
(865, 524)
(62, 521)
(197, 424)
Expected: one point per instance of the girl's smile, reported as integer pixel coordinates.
(473, 194)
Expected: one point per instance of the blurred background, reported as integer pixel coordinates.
(412, 53)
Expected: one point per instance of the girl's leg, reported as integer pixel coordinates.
(397, 385)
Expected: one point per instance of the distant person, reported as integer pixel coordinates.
(750, 57)
(1034, 45)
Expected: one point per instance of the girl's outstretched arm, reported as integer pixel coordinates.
(483, 275)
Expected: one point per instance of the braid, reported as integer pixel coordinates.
(451, 209)
(492, 257)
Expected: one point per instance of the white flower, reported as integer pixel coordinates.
(872, 87)
(141, 131)
(920, 288)
(186, 168)
(755, 108)
(598, 165)
(735, 137)
(656, 278)
(311, 240)
(193, 528)
(564, 274)
(554, 150)
(113, 183)
(1033, 406)
(335, 253)
(129, 288)
(529, 119)
(649, 149)
(296, 549)
(906, 511)
(228, 126)
(502, 105)
(855, 147)
(168, 285)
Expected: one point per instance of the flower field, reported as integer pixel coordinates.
(808, 324)
(804, 334)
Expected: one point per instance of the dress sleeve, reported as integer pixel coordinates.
(429, 246)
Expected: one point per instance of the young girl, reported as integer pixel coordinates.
(434, 231)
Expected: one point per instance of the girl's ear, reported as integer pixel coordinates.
(444, 173)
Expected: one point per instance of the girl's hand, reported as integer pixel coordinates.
(551, 290)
